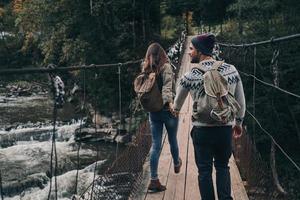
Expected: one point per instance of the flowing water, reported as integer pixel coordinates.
(25, 150)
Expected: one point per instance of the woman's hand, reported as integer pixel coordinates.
(171, 109)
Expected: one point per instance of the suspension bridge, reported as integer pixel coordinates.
(128, 176)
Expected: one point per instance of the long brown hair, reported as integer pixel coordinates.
(155, 58)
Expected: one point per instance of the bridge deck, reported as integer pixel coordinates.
(184, 186)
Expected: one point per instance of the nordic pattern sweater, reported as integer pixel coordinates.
(192, 82)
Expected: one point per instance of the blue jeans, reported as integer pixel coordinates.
(157, 120)
(213, 145)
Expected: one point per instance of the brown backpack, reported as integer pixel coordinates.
(148, 92)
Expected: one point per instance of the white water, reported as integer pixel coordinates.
(64, 132)
(25, 161)
(30, 160)
(65, 184)
(24, 102)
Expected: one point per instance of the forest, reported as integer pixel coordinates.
(36, 33)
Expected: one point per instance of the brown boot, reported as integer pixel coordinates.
(156, 186)
(177, 167)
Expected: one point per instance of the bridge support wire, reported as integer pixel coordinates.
(97, 157)
(53, 151)
(274, 63)
(82, 110)
(273, 140)
(120, 106)
(253, 88)
(1, 188)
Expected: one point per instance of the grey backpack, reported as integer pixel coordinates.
(216, 104)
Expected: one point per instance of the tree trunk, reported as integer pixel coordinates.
(159, 17)
(221, 28)
(133, 26)
(294, 120)
(91, 7)
(187, 21)
(274, 171)
(279, 188)
(147, 21)
(240, 18)
(143, 21)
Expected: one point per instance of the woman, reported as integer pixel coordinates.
(156, 60)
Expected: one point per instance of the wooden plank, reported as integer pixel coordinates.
(237, 183)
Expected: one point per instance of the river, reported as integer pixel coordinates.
(25, 150)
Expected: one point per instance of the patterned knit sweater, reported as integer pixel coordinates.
(192, 82)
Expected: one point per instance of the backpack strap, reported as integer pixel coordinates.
(216, 65)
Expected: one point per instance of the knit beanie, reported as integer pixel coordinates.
(204, 43)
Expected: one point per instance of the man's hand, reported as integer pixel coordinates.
(237, 131)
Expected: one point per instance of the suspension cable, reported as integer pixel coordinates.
(272, 40)
(53, 148)
(253, 87)
(97, 157)
(82, 108)
(55, 163)
(120, 106)
(269, 84)
(1, 188)
(280, 148)
(31, 70)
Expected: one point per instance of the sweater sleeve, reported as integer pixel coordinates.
(240, 97)
(181, 93)
(167, 79)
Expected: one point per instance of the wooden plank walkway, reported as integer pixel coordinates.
(184, 186)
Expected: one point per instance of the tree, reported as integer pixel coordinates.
(182, 8)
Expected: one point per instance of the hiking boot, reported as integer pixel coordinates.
(156, 186)
(177, 167)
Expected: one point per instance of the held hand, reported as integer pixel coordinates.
(175, 113)
(171, 108)
(237, 131)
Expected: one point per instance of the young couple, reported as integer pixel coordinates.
(212, 141)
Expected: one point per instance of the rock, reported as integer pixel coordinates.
(35, 180)
(24, 93)
(92, 134)
(27, 166)
(124, 138)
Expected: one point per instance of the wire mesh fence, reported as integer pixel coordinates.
(122, 179)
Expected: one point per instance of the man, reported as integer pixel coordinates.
(212, 141)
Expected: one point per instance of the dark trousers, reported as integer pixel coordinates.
(213, 145)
